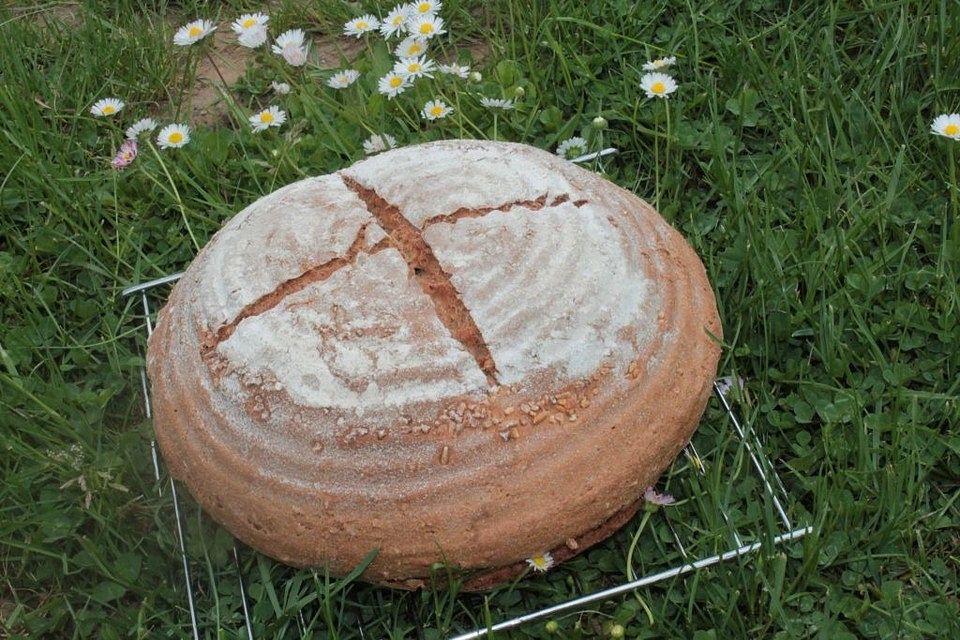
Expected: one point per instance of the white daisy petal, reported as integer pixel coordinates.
(253, 38)
(541, 563)
(173, 136)
(270, 117)
(496, 103)
(411, 47)
(249, 22)
(424, 7)
(393, 84)
(436, 109)
(359, 26)
(143, 125)
(281, 88)
(193, 32)
(455, 69)
(660, 63)
(343, 79)
(572, 147)
(415, 67)
(947, 125)
(107, 107)
(396, 21)
(293, 37)
(658, 85)
(379, 142)
(426, 26)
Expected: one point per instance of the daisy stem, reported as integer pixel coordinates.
(176, 195)
(495, 125)
(954, 189)
(633, 544)
(223, 82)
(630, 574)
(666, 152)
(656, 172)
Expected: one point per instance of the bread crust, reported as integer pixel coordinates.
(462, 352)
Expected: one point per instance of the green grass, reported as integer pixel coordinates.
(797, 160)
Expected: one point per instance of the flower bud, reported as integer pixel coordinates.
(599, 123)
(518, 92)
(617, 631)
(551, 626)
(476, 77)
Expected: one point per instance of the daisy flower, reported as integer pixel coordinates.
(379, 142)
(293, 37)
(576, 145)
(269, 117)
(173, 136)
(661, 499)
(126, 155)
(343, 79)
(290, 45)
(426, 26)
(140, 126)
(392, 84)
(106, 107)
(295, 56)
(658, 85)
(496, 103)
(541, 563)
(436, 109)
(455, 70)
(415, 67)
(395, 22)
(248, 22)
(281, 88)
(424, 7)
(947, 125)
(660, 63)
(410, 47)
(359, 26)
(193, 32)
(253, 38)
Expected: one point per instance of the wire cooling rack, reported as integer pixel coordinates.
(689, 469)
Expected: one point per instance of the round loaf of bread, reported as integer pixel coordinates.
(460, 352)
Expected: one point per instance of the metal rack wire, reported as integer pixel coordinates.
(761, 465)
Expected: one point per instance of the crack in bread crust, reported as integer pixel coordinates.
(479, 212)
(430, 275)
(288, 287)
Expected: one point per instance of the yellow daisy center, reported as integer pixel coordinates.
(658, 87)
(249, 22)
(266, 117)
(175, 138)
(951, 129)
(426, 28)
(436, 111)
(539, 561)
(414, 49)
(396, 81)
(361, 24)
(423, 7)
(107, 110)
(413, 67)
(397, 20)
(195, 31)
